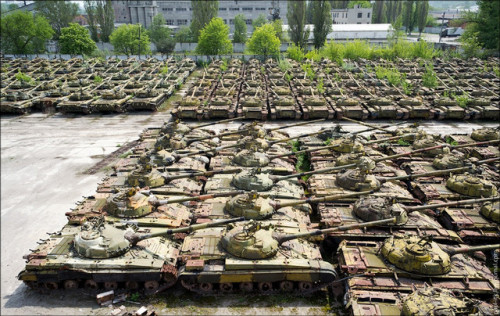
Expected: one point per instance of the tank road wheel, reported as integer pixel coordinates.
(151, 286)
(265, 287)
(51, 285)
(246, 287)
(169, 275)
(286, 286)
(110, 285)
(189, 284)
(91, 285)
(70, 284)
(226, 287)
(206, 287)
(305, 286)
(32, 284)
(132, 285)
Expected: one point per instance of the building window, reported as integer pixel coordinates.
(182, 22)
(231, 21)
(234, 9)
(181, 9)
(168, 9)
(360, 15)
(260, 9)
(225, 21)
(358, 23)
(247, 9)
(249, 21)
(169, 22)
(368, 15)
(222, 9)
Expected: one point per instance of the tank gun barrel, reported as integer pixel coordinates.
(408, 153)
(376, 141)
(196, 198)
(368, 125)
(296, 124)
(190, 141)
(277, 205)
(283, 238)
(217, 122)
(373, 128)
(199, 174)
(455, 203)
(135, 238)
(295, 137)
(200, 152)
(426, 174)
(468, 249)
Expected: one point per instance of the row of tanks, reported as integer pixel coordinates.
(287, 89)
(91, 85)
(229, 212)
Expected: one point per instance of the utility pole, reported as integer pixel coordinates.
(441, 31)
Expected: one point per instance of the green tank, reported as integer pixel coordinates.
(401, 262)
(110, 256)
(264, 256)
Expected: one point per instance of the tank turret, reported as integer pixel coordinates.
(486, 133)
(371, 208)
(99, 240)
(491, 210)
(423, 256)
(471, 185)
(153, 178)
(135, 203)
(252, 206)
(253, 241)
(437, 301)
(447, 160)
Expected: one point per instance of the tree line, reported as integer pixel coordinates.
(26, 33)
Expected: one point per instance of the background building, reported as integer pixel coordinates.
(357, 15)
(180, 13)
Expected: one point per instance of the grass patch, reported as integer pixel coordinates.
(303, 163)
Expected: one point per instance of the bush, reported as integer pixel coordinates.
(334, 51)
(429, 78)
(295, 52)
(314, 55)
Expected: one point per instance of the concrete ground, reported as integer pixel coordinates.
(43, 158)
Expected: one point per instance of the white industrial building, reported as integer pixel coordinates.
(360, 31)
(180, 13)
(353, 31)
(356, 15)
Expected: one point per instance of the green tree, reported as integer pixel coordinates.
(259, 21)
(363, 3)
(90, 9)
(183, 35)
(23, 33)
(240, 29)
(339, 4)
(75, 40)
(106, 18)
(203, 13)
(296, 16)
(322, 20)
(130, 39)
(278, 28)
(161, 35)
(483, 26)
(409, 16)
(393, 9)
(214, 39)
(59, 13)
(264, 42)
(422, 11)
(379, 12)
